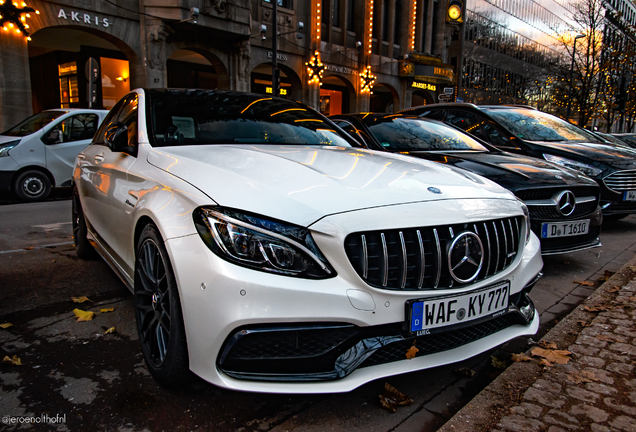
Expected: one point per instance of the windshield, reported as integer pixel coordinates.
(534, 125)
(403, 134)
(33, 123)
(200, 117)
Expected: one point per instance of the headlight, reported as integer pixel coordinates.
(526, 214)
(4, 148)
(262, 244)
(578, 166)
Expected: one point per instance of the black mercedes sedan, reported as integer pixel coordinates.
(563, 204)
(527, 131)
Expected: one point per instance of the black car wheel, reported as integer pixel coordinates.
(32, 185)
(83, 248)
(158, 312)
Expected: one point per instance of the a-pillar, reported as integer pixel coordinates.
(15, 85)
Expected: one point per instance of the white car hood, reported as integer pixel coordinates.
(301, 184)
(7, 138)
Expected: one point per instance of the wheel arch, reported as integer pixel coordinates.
(32, 168)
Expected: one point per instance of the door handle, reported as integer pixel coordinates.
(99, 157)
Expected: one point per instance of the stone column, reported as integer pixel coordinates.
(15, 84)
(241, 66)
(151, 70)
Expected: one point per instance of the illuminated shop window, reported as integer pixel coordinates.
(115, 80)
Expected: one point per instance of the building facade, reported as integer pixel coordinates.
(346, 56)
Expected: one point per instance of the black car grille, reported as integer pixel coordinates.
(547, 193)
(621, 181)
(431, 344)
(550, 212)
(417, 258)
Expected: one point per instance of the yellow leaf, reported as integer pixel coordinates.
(110, 330)
(520, 358)
(81, 299)
(15, 360)
(107, 310)
(552, 355)
(588, 283)
(411, 352)
(83, 315)
(6, 325)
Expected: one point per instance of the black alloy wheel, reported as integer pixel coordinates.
(158, 312)
(83, 248)
(32, 186)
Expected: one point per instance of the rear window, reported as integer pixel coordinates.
(210, 117)
(33, 123)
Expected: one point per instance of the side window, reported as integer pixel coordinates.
(434, 114)
(351, 130)
(75, 128)
(111, 117)
(466, 121)
(128, 116)
(495, 137)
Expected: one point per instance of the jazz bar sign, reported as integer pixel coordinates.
(83, 18)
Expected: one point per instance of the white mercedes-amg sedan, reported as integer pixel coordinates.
(266, 253)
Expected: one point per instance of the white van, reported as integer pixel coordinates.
(39, 153)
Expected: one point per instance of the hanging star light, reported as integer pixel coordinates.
(315, 69)
(13, 17)
(367, 79)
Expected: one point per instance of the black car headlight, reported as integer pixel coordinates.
(261, 244)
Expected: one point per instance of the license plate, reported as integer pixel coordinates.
(429, 314)
(565, 229)
(629, 196)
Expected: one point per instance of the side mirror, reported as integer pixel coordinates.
(52, 137)
(117, 139)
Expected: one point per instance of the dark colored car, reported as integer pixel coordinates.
(563, 204)
(529, 132)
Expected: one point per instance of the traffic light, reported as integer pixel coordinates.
(455, 11)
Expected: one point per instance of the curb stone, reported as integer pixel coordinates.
(511, 401)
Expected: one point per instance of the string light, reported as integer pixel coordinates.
(13, 17)
(413, 21)
(370, 39)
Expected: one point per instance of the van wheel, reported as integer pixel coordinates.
(32, 185)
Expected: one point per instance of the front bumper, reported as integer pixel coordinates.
(220, 300)
(558, 245)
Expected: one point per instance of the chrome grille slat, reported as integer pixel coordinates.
(420, 281)
(621, 181)
(404, 260)
(385, 256)
(417, 258)
(439, 258)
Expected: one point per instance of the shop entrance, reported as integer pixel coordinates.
(190, 69)
(383, 99)
(261, 81)
(421, 97)
(336, 96)
(57, 61)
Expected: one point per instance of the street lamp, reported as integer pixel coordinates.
(567, 116)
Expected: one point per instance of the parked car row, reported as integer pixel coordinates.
(272, 249)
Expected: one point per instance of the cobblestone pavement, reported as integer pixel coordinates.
(594, 390)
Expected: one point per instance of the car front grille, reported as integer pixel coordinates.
(550, 212)
(542, 202)
(547, 193)
(417, 258)
(621, 181)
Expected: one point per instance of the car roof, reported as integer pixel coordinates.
(71, 110)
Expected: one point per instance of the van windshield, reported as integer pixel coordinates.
(33, 123)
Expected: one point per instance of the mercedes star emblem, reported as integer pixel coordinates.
(465, 257)
(566, 202)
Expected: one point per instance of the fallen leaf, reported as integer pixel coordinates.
(582, 377)
(110, 330)
(81, 299)
(598, 308)
(610, 338)
(83, 315)
(632, 268)
(588, 283)
(545, 362)
(499, 364)
(608, 274)
(520, 358)
(6, 325)
(465, 372)
(106, 310)
(614, 289)
(392, 398)
(551, 355)
(15, 360)
(547, 345)
(411, 352)
(584, 323)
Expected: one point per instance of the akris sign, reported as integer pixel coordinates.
(83, 18)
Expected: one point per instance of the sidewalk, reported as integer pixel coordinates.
(594, 391)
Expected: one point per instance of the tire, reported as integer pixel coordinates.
(158, 312)
(83, 248)
(32, 186)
